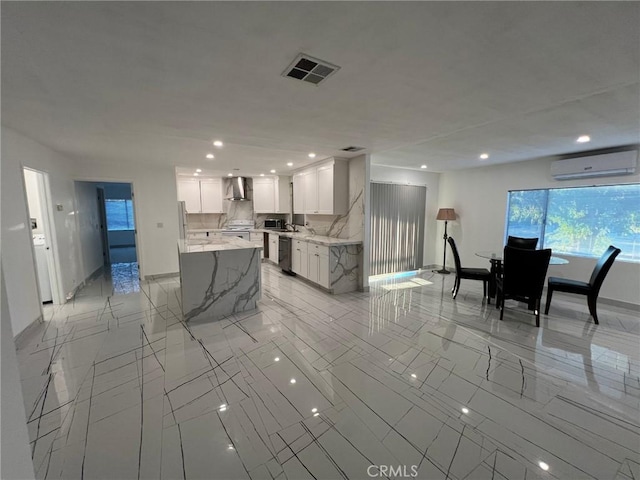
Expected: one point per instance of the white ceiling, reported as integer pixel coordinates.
(433, 83)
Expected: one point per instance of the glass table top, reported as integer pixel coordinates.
(497, 256)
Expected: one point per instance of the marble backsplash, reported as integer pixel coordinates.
(243, 210)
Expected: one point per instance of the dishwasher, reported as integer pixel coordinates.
(284, 254)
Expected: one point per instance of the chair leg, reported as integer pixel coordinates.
(537, 312)
(456, 287)
(484, 292)
(549, 295)
(501, 307)
(591, 301)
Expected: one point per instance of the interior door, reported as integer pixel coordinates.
(102, 209)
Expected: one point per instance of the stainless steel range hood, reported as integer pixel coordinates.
(239, 190)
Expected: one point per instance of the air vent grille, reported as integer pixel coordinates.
(352, 149)
(309, 69)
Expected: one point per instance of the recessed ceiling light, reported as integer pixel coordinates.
(217, 143)
(583, 139)
(312, 155)
(484, 156)
(316, 414)
(465, 410)
(413, 375)
(272, 171)
(210, 156)
(229, 174)
(196, 174)
(198, 170)
(543, 466)
(423, 166)
(290, 164)
(277, 359)
(293, 380)
(314, 410)
(262, 174)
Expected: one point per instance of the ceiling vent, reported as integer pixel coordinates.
(309, 69)
(352, 149)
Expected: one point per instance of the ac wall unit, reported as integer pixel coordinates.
(605, 165)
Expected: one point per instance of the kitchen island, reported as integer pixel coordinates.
(219, 277)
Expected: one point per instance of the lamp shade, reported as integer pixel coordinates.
(446, 214)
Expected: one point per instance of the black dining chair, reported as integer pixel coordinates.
(468, 273)
(520, 242)
(523, 274)
(591, 289)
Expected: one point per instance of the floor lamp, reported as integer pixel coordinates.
(445, 214)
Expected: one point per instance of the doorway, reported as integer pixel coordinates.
(108, 232)
(42, 235)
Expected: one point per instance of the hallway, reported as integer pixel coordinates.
(319, 386)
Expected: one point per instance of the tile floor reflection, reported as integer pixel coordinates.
(397, 381)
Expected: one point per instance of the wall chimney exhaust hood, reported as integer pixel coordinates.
(239, 190)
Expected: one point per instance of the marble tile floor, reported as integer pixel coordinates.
(400, 382)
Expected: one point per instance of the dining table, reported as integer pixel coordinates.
(495, 258)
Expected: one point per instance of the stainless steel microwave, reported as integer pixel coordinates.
(274, 224)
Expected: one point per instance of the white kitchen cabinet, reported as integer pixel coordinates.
(189, 193)
(283, 195)
(274, 243)
(298, 193)
(299, 258)
(324, 188)
(311, 192)
(258, 240)
(271, 195)
(318, 256)
(211, 195)
(264, 195)
(201, 196)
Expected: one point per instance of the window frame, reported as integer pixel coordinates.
(128, 206)
(541, 241)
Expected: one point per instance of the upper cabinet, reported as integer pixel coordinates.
(271, 195)
(211, 195)
(322, 189)
(201, 195)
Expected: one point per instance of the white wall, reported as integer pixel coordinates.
(17, 252)
(88, 216)
(16, 455)
(17, 245)
(413, 177)
(479, 196)
(33, 199)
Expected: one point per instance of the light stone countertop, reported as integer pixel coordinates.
(305, 236)
(318, 239)
(198, 245)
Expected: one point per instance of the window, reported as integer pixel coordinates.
(119, 214)
(581, 221)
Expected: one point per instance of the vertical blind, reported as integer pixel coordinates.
(397, 227)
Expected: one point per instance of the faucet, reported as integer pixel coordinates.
(293, 227)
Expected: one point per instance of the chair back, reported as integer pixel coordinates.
(456, 255)
(602, 268)
(519, 242)
(525, 271)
